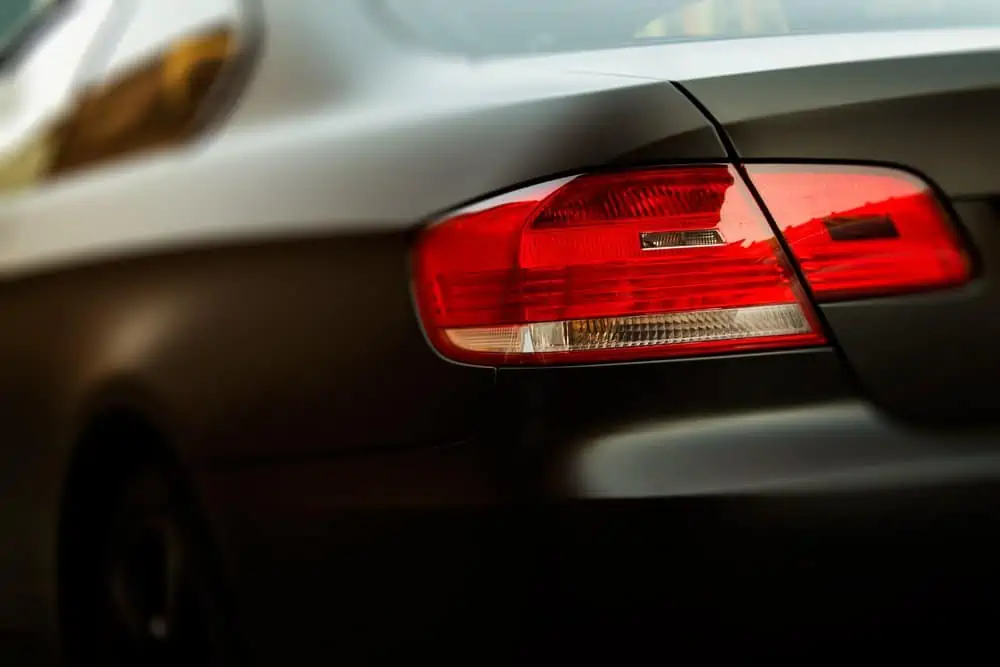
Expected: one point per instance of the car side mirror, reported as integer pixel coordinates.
(44, 48)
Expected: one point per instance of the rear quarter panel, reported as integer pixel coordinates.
(925, 357)
(248, 293)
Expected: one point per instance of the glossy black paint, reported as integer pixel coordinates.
(926, 357)
(933, 114)
(285, 361)
(239, 353)
(746, 578)
(932, 358)
(288, 348)
(827, 447)
(559, 408)
(856, 567)
(358, 529)
(344, 466)
(519, 539)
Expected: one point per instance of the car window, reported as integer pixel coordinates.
(18, 17)
(498, 27)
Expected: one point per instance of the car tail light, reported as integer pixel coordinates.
(608, 267)
(862, 231)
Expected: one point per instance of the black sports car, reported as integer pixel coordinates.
(496, 331)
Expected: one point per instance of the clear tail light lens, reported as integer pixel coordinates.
(861, 231)
(610, 267)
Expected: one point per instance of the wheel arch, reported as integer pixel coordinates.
(121, 429)
(112, 440)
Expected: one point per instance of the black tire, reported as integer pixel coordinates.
(148, 592)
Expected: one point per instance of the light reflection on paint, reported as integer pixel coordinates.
(154, 106)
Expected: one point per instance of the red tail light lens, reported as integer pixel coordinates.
(607, 267)
(862, 231)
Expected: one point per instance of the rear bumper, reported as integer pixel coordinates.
(775, 529)
(819, 529)
(838, 447)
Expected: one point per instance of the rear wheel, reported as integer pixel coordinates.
(149, 596)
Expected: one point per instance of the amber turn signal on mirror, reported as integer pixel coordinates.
(162, 103)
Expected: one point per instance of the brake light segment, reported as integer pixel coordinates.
(862, 231)
(604, 267)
